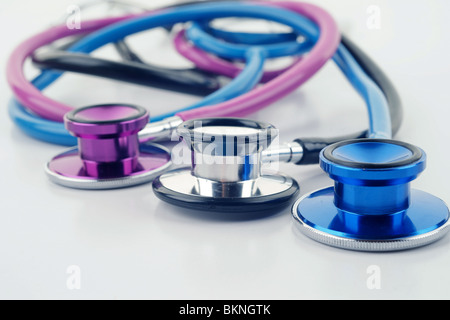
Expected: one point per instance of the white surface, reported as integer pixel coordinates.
(128, 244)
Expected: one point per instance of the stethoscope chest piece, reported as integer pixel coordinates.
(109, 154)
(371, 206)
(225, 169)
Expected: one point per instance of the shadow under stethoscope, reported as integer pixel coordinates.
(217, 216)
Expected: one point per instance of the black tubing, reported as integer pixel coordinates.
(194, 82)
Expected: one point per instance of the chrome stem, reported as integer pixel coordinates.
(161, 130)
(286, 152)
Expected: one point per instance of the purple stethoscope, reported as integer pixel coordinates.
(117, 145)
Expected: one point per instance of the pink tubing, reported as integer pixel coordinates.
(27, 94)
(241, 106)
(285, 83)
(214, 64)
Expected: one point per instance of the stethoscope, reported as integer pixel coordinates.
(240, 106)
(370, 207)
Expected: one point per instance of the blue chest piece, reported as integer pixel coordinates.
(371, 206)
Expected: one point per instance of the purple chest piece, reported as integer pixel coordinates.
(109, 154)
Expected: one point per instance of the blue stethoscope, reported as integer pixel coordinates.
(371, 206)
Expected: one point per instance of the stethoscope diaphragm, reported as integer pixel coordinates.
(225, 173)
(371, 206)
(109, 154)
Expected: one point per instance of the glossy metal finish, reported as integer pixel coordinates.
(225, 173)
(288, 152)
(226, 149)
(161, 130)
(371, 206)
(425, 221)
(67, 169)
(109, 154)
(268, 192)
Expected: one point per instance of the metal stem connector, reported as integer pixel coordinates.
(286, 152)
(161, 130)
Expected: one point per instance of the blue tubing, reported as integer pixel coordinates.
(54, 132)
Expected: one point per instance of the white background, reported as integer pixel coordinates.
(128, 244)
